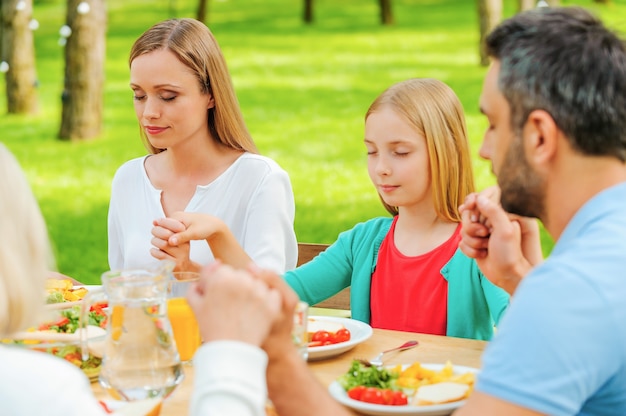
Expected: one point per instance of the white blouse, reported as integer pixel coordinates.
(253, 197)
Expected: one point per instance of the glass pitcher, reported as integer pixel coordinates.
(140, 359)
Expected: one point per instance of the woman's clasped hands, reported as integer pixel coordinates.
(171, 237)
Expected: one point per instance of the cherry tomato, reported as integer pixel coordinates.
(387, 396)
(342, 335)
(322, 336)
(315, 344)
(399, 399)
(372, 395)
(356, 393)
(378, 396)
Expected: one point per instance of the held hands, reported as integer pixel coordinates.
(279, 344)
(254, 306)
(232, 304)
(505, 246)
(171, 236)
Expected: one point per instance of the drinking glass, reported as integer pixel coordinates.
(182, 319)
(140, 357)
(299, 332)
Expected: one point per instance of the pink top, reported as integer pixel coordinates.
(409, 293)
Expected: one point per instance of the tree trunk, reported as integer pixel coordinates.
(202, 10)
(18, 51)
(2, 25)
(523, 5)
(386, 15)
(308, 11)
(489, 15)
(84, 71)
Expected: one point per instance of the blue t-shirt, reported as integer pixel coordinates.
(561, 347)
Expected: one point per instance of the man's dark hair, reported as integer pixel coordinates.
(566, 62)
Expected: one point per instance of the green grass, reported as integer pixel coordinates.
(303, 91)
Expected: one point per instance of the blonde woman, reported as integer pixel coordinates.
(33, 382)
(38, 383)
(405, 271)
(201, 159)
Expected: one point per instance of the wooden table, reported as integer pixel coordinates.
(432, 349)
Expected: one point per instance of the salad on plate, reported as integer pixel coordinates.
(412, 389)
(61, 332)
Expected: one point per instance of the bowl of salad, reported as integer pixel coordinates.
(72, 328)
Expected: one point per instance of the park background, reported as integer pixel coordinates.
(303, 89)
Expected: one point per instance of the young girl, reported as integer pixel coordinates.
(202, 158)
(406, 271)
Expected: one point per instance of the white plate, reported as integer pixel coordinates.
(341, 396)
(89, 287)
(359, 332)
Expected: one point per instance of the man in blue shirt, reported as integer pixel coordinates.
(555, 98)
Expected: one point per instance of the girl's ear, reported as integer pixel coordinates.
(540, 137)
(211, 103)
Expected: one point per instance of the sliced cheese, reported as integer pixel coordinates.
(440, 393)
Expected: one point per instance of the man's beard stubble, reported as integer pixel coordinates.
(522, 189)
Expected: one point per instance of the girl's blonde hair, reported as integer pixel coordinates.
(25, 255)
(196, 47)
(435, 111)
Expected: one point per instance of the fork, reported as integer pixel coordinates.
(378, 360)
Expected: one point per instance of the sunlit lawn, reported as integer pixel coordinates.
(303, 91)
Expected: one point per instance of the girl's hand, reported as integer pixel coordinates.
(505, 246)
(187, 226)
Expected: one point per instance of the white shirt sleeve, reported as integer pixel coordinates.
(37, 383)
(229, 380)
(269, 235)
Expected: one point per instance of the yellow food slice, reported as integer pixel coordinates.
(440, 393)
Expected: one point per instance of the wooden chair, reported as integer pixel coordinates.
(306, 252)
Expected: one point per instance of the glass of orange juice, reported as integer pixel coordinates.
(181, 317)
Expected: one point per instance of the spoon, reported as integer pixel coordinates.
(378, 360)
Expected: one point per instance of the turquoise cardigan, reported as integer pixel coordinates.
(475, 304)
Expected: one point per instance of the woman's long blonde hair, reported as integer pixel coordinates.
(196, 47)
(25, 254)
(435, 111)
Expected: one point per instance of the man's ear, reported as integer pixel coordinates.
(540, 137)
